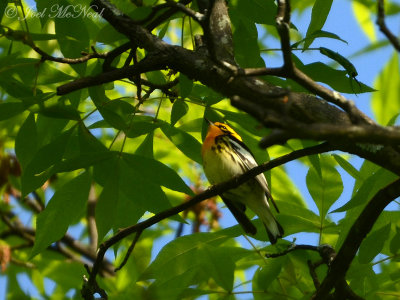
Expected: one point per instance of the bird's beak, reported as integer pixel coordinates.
(209, 122)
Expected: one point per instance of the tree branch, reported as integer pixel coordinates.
(369, 134)
(145, 65)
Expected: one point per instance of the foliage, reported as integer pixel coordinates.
(76, 168)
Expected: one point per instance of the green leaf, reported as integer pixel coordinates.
(218, 264)
(295, 218)
(383, 104)
(26, 141)
(183, 141)
(318, 34)
(146, 147)
(178, 256)
(117, 113)
(348, 167)
(108, 35)
(320, 12)
(269, 272)
(365, 19)
(38, 170)
(72, 35)
(106, 208)
(140, 13)
(141, 191)
(10, 109)
(258, 11)
(315, 162)
(98, 94)
(324, 190)
(173, 288)
(67, 203)
(141, 125)
(179, 109)
(340, 59)
(395, 242)
(156, 77)
(81, 161)
(87, 142)
(336, 79)
(61, 112)
(368, 188)
(373, 244)
(14, 88)
(245, 37)
(156, 172)
(3, 6)
(163, 30)
(185, 85)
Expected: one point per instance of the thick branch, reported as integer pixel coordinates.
(148, 64)
(356, 235)
(369, 134)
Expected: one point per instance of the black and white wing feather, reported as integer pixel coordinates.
(249, 162)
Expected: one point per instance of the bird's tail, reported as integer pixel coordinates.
(274, 229)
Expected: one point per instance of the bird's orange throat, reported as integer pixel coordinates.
(209, 141)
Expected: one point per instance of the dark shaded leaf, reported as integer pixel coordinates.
(395, 242)
(26, 141)
(107, 205)
(141, 125)
(10, 109)
(217, 263)
(258, 11)
(245, 37)
(61, 112)
(38, 170)
(179, 109)
(62, 209)
(156, 77)
(183, 141)
(156, 172)
(146, 147)
(185, 86)
(373, 244)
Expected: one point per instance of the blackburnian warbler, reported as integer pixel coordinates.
(225, 156)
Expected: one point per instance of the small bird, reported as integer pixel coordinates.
(225, 156)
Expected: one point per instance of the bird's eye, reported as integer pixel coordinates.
(223, 127)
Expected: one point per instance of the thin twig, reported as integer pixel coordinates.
(382, 26)
(128, 253)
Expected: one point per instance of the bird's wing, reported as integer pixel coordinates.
(249, 162)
